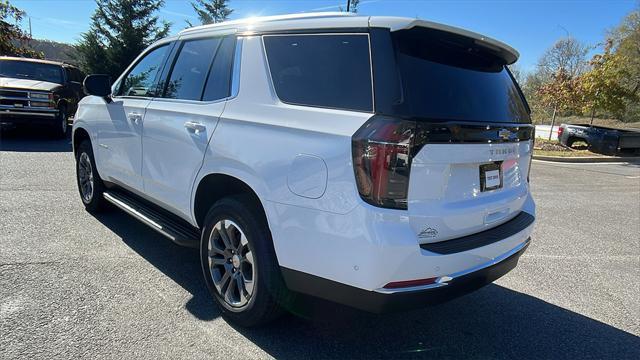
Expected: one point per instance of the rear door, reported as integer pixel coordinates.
(120, 135)
(179, 123)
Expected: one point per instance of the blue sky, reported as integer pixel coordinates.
(529, 26)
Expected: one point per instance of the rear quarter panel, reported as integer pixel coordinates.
(278, 148)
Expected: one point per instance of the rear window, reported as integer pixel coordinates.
(219, 81)
(190, 70)
(325, 70)
(448, 77)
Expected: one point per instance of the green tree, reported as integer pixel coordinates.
(211, 11)
(91, 54)
(120, 30)
(557, 70)
(352, 5)
(603, 86)
(626, 45)
(13, 41)
(561, 93)
(612, 84)
(567, 55)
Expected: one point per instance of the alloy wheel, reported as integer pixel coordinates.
(64, 123)
(85, 177)
(231, 264)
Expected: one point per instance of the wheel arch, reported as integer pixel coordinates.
(79, 135)
(572, 138)
(63, 102)
(215, 186)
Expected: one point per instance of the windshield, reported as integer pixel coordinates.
(449, 77)
(31, 70)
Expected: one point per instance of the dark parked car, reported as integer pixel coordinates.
(39, 92)
(601, 139)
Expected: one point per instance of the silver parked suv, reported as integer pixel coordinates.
(378, 162)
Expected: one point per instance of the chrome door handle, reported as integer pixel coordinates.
(195, 127)
(134, 116)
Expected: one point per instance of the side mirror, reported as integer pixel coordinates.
(98, 85)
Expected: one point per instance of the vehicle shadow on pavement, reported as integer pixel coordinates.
(181, 264)
(32, 140)
(494, 322)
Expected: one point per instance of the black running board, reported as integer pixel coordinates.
(175, 230)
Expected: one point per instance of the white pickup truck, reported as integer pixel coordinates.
(378, 162)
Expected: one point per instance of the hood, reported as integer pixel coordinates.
(27, 84)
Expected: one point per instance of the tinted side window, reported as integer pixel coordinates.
(190, 70)
(219, 81)
(68, 74)
(77, 75)
(140, 81)
(321, 70)
(73, 74)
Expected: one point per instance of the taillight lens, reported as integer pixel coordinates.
(382, 161)
(560, 131)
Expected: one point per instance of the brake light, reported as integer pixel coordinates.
(381, 151)
(560, 131)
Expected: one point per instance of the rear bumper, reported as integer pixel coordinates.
(369, 248)
(381, 301)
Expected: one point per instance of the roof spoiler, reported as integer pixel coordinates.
(502, 50)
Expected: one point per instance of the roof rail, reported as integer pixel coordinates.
(265, 19)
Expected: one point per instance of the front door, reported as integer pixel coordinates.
(179, 125)
(120, 135)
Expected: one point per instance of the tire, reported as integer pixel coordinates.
(249, 260)
(61, 124)
(89, 182)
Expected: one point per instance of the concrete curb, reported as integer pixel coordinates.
(590, 159)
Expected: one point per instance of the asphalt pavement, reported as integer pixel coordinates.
(74, 285)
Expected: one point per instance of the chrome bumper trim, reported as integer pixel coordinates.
(51, 114)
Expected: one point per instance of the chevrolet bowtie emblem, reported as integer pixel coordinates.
(504, 134)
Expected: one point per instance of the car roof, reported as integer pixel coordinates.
(41, 61)
(337, 20)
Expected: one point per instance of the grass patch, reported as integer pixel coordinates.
(543, 147)
(577, 153)
(546, 120)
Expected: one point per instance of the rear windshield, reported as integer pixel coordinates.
(448, 77)
(31, 70)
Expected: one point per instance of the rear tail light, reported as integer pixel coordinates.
(560, 131)
(384, 147)
(382, 151)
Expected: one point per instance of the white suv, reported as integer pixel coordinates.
(378, 162)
